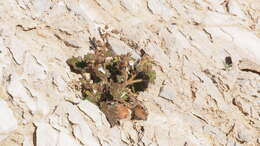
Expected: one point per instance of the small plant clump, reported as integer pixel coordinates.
(113, 81)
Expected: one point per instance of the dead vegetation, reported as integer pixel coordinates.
(113, 81)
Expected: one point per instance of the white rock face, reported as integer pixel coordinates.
(234, 8)
(94, 113)
(41, 6)
(80, 128)
(66, 140)
(27, 142)
(1, 45)
(8, 122)
(160, 8)
(167, 92)
(19, 93)
(46, 135)
(84, 134)
(203, 102)
(18, 49)
(33, 68)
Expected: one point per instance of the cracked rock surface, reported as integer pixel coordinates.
(197, 99)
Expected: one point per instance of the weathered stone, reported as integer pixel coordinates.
(1, 45)
(19, 93)
(160, 8)
(121, 48)
(205, 104)
(27, 141)
(167, 92)
(248, 65)
(8, 122)
(41, 6)
(94, 113)
(33, 68)
(46, 135)
(85, 135)
(18, 50)
(234, 8)
(66, 140)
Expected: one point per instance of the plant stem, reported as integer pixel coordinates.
(134, 81)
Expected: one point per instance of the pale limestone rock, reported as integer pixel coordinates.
(2, 66)
(86, 10)
(23, 3)
(241, 38)
(33, 68)
(8, 122)
(80, 128)
(46, 135)
(1, 45)
(66, 140)
(234, 8)
(19, 93)
(132, 5)
(58, 10)
(129, 132)
(167, 92)
(59, 82)
(244, 134)
(248, 65)
(217, 5)
(1, 73)
(84, 134)
(159, 8)
(231, 142)
(255, 5)
(27, 141)
(185, 38)
(42, 106)
(121, 48)
(215, 132)
(94, 113)
(111, 136)
(58, 121)
(106, 4)
(18, 49)
(162, 136)
(40, 7)
(74, 115)
(158, 54)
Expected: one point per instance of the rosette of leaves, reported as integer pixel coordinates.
(115, 81)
